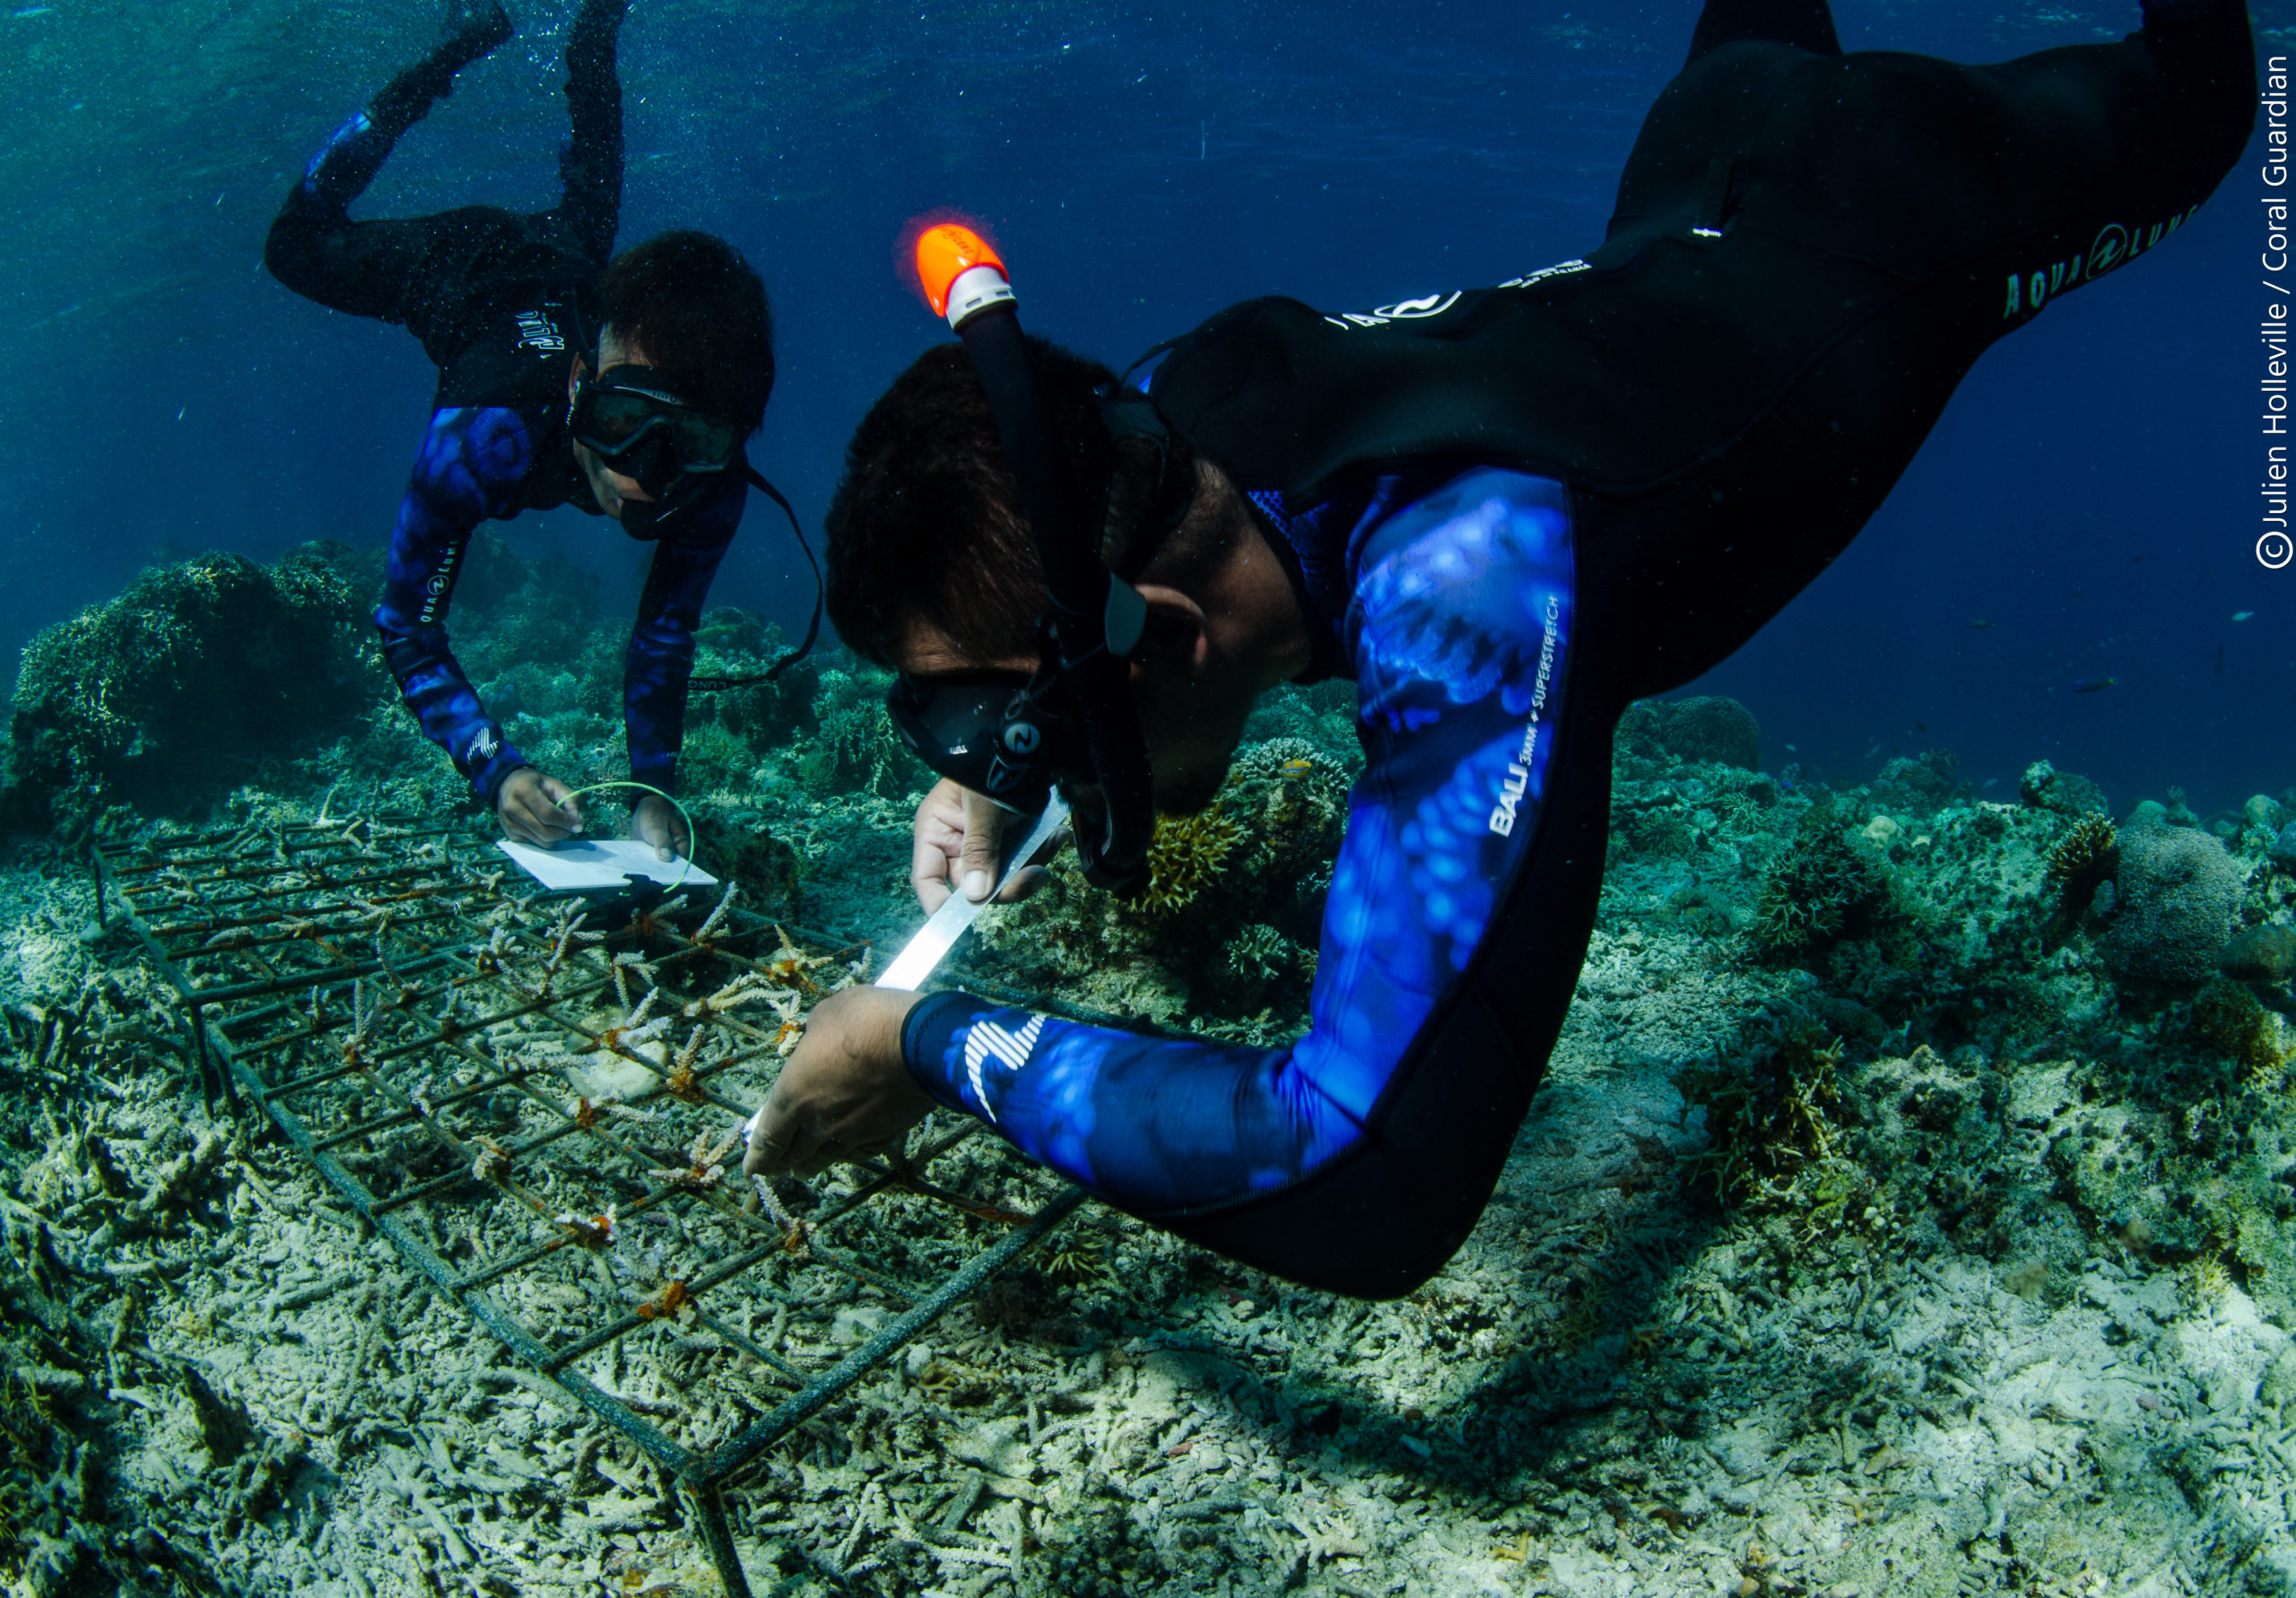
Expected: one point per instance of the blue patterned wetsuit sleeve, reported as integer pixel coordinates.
(472, 464)
(660, 659)
(1459, 617)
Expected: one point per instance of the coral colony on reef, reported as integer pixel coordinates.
(1909, 1207)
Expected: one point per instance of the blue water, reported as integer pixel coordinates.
(2091, 491)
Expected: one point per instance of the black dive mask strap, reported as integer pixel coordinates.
(788, 657)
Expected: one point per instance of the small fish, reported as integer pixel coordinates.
(2092, 685)
(1791, 750)
(2220, 660)
(1979, 622)
(1873, 751)
(1990, 782)
(1292, 770)
(32, 11)
(1920, 726)
(2242, 615)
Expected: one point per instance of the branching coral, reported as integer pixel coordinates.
(856, 749)
(1187, 858)
(1768, 1120)
(2085, 855)
(1821, 890)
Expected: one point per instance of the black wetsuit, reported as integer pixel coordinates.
(502, 302)
(1514, 511)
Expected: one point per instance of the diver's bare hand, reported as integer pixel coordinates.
(845, 1094)
(535, 809)
(657, 822)
(958, 840)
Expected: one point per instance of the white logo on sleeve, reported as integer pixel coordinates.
(986, 1041)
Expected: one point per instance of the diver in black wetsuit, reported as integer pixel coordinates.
(1506, 514)
(622, 388)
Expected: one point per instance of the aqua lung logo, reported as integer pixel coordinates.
(1402, 310)
(2113, 246)
(1559, 269)
(481, 747)
(441, 584)
(984, 1041)
(536, 331)
(1435, 305)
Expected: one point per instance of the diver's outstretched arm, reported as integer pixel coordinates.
(589, 171)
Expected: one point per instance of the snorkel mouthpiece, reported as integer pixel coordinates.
(961, 273)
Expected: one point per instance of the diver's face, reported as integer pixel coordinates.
(610, 486)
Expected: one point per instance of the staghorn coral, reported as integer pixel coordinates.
(1770, 1118)
(856, 749)
(1821, 890)
(1186, 858)
(714, 759)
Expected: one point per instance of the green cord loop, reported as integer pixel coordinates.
(686, 869)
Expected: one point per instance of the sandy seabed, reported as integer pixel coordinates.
(1939, 1334)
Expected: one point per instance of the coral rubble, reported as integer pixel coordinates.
(1909, 1207)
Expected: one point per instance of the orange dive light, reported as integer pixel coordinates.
(961, 273)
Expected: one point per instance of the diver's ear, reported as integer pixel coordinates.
(1177, 636)
(575, 373)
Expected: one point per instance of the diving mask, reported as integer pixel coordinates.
(643, 431)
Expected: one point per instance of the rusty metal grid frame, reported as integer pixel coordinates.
(245, 924)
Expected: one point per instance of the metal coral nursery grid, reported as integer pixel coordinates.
(540, 1115)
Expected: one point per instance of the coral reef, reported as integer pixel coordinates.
(2264, 954)
(2083, 858)
(199, 677)
(2064, 793)
(853, 748)
(1708, 729)
(2175, 897)
(1223, 941)
(1945, 1249)
(1821, 890)
(2228, 1019)
(1768, 1117)
(1918, 784)
(1185, 856)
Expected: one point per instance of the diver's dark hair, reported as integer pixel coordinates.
(698, 309)
(926, 526)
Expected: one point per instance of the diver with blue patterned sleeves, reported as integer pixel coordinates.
(622, 387)
(1504, 515)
